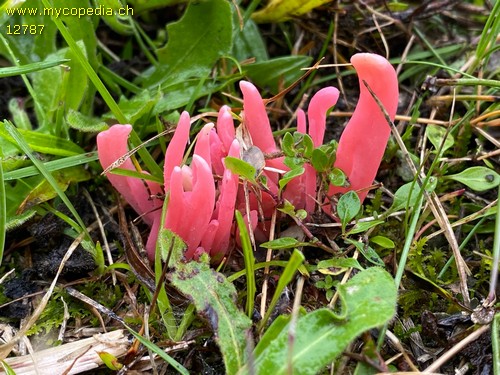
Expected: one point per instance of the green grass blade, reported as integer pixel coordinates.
(14, 133)
(25, 79)
(496, 256)
(108, 99)
(156, 349)
(53, 165)
(3, 213)
(490, 31)
(294, 263)
(29, 68)
(495, 344)
(249, 263)
(111, 103)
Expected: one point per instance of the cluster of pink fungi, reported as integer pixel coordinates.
(201, 208)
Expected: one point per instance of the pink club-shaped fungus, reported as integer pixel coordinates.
(363, 141)
(192, 212)
(201, 208)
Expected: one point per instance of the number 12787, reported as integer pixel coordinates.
(24, 29)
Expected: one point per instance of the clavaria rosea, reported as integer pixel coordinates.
(200, 208)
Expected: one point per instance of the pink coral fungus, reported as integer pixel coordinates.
(200, 208)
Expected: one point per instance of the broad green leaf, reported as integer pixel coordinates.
(348, 207)
(279, 324)
(477, 178)
(248, 42)
(436, 135)
(195, 43)
(276, 72)
(282, 10)
(215, 300)
(369, 301)
(240, 167)
(383, 241)
(43, 143)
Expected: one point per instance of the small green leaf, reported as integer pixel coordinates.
(293, 162)
(383, 241)
(348, 207)
(301, 214)
(287, 145)
(363, 226)
(336, 266)
(288, 208)
(320, 162)
(282, 243)
(289, 176)
(308, 145)
(405, 196)
(477, 178)
(368, 252)
(436, 135)
(110, 361)
(240, 167)
(337, 177)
